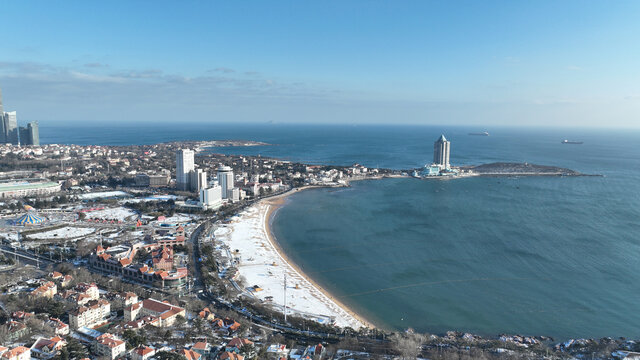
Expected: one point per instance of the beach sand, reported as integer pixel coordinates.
(264, 264)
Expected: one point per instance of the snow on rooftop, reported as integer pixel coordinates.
(67, 232)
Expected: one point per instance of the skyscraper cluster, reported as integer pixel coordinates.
(11, 134)
(188, 178)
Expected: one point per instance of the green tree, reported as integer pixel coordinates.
(167, 355)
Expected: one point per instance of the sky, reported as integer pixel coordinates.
(480, 63)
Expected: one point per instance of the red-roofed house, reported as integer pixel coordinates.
(48, 290)
(231, 356)
(189, 354)
(110, 346)
(142, 353)
(166, 312)
(235, 344)
(47, 348)
(59, 327)
(17, 353)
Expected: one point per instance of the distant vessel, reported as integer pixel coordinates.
(565, 141)
(484, 133)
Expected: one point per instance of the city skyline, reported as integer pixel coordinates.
(457, 63)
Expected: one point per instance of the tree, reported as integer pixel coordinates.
(133, 338)
(409, 345)
(73, 351)
(167, 355)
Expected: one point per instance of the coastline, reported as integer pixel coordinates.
(263, 268)
(274, 204)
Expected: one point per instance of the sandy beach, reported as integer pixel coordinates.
(263, 265)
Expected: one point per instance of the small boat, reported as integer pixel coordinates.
(484, 133)
(565, 141)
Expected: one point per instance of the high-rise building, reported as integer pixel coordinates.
(2, 130)
(211, 198)
(184, 165)
(11, 127)
(24, 136)
(225, 179)
(34, 133)
(441, 150)
(198, 179)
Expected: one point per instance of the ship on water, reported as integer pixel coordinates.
(484, 133)
(565, 141)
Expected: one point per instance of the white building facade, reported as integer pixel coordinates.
(185, 163)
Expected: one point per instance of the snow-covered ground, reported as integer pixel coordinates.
(67, 232)
(11, 236)
(262, 265)
(102, 195)
(119, 214)
(178, 219)
(152, 198)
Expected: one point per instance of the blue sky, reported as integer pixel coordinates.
(481, 63)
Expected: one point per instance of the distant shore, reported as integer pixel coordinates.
(274, 204)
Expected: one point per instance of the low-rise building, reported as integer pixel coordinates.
(48, 290)
(110, 346)
(59, 327)
(47, 348)
(17, 353)
(142, 353)
(165, 312)
(93, 313)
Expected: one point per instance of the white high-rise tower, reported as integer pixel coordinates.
(184, 164)
(225, 179)
(441, 150)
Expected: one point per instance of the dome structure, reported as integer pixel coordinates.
(29, 219)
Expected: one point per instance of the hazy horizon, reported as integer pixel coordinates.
(462, 63)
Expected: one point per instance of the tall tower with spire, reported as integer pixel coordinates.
(441, 150)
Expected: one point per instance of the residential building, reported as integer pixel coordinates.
(202, 348)
(231, 356)
(17, 353)
(48, 290)
(152, 180)
(166, 312)
(225, 179)
(184, 165)
(441, 149)
(60, 328)
(236, 344)
(93, 313)
(211, 198)
(110, 346)
(47, 348)
(142, 352)
(2, 131)
(198, 180)
(28, 187)
(189, 354)
(34, 133)
(11, 127)
(16, 330)
(24, 136)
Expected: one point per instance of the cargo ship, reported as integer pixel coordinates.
(484, 133)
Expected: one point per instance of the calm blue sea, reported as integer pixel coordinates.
(540, 256)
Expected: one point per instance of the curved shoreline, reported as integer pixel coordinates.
(274, 204)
